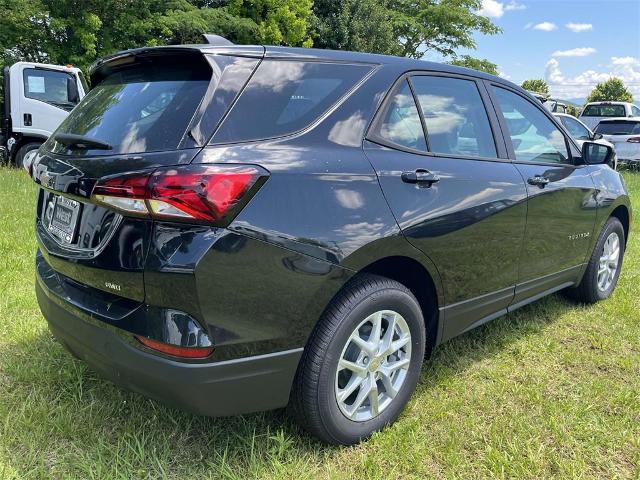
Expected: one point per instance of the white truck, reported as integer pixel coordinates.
(37, 97)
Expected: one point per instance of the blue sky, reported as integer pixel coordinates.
(573, 44)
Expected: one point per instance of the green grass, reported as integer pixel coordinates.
(552, 390)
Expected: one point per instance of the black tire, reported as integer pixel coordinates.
(314, 398)
(588, 290)
(23, 150)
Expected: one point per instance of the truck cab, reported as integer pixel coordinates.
(37, 97)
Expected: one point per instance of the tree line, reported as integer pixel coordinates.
(79, 31)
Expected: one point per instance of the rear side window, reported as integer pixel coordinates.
(400, 123)
(50, 86)
(604, 111)
(140, 108)
(284, 97)
(534, 137)
(454, 116)
(619, 128)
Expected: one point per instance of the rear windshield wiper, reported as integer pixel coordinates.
(81, 142)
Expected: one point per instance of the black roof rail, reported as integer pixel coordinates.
(215, 39)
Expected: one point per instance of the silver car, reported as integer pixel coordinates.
(581, 133)
(624, 133)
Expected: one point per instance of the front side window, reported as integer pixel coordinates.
(534, 137)
(399, 123)
(454, 115)
(576, 129)
(604, 111)
(284, 97)
(50, 86)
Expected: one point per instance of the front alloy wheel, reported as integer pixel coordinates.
(609, 262)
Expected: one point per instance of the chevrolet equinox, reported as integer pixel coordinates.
(239, 228)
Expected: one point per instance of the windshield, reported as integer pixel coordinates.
(51, 86)
(142, 108)
(623, 127)
(604, 111)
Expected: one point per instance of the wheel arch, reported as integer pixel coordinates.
(621, 212)
(413, 275)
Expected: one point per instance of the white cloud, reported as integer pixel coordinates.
(513, 5)
(625, 68)
(491, 8)
(495, 8)
(625, 61)
(579, 27)
(574, 52)
(545, 26)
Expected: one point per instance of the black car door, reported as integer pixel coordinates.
(454, 193)
(561, 207)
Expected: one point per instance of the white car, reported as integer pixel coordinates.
(593, 112)
(624, 133)
(581, 133)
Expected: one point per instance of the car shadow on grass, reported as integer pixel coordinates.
(58, 409)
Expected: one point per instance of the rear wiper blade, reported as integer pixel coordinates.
(81, 142)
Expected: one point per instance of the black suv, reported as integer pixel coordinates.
(238, 228)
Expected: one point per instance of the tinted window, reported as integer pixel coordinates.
(575, 128)
(534, 137)
(623, 127)
(50, 86)
(400, 122)
(454, 116)
(604, 111)
(141, 108)
(635, 111)
(284, 97)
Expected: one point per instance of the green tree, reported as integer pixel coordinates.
(79, 31)
(481, 64)
(399, 27)
(613, 89)
(537, 85)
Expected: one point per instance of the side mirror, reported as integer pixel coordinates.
(596, 153)
(596, 136)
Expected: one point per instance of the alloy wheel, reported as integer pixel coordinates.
(373, 365)
(609, 261)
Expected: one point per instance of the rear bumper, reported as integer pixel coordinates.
(222, 388)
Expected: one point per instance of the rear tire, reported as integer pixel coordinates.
(602, 272)
(23, 150)
(346, 388)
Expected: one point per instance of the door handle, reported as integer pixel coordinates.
(420, 176)
(538, 180)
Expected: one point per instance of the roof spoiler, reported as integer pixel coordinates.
(216, 40)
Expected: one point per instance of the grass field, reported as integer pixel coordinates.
(552, 391)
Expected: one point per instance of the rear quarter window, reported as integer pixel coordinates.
(284, 97)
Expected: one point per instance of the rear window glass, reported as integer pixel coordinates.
(618, 128)
(604, 111)
(142, 108)
(284, 97)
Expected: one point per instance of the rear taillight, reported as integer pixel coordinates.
(174, 350)
(195, 193)
(633, 140)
